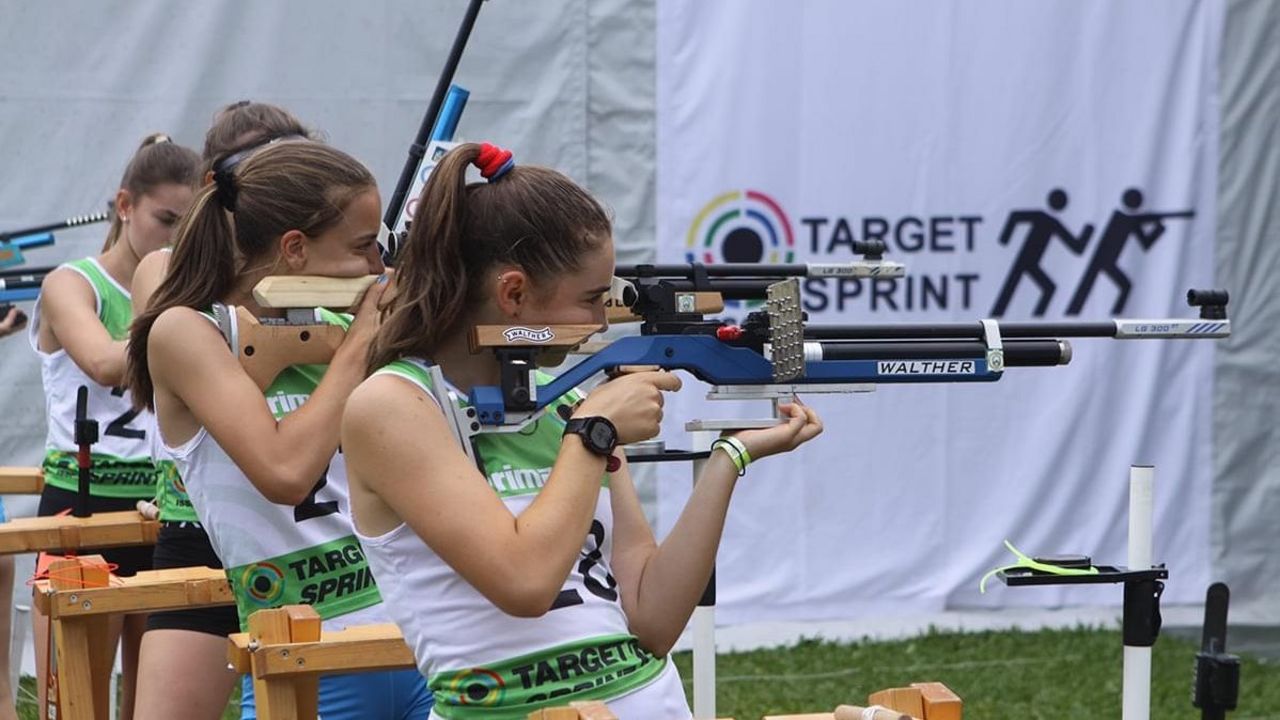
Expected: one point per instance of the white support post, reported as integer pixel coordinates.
(703, 622)
(1137, 660)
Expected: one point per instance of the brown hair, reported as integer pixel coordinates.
(157, 161)
(246, 124)
(287, 186)
(531, 217)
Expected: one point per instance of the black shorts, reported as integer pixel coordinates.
(187, 545)
(128, 560)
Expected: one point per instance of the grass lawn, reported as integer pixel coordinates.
(1048, 675)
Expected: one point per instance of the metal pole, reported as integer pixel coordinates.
(1137, 660)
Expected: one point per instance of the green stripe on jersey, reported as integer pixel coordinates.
(110, 476)
(333, 577)
(598, 668)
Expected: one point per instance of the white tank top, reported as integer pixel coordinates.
(282, 554)
(122, 466)
(483, 663)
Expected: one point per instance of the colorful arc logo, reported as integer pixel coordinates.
(741, 226)
(263, 583)
(479, 686)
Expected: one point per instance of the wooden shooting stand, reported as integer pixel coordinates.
(21, 481)
(285, 653)
(65, 532)
(920, 701)
(80, 596)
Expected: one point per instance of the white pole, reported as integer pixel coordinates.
(1137, 660)
(703, 622)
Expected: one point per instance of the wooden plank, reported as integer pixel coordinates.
(148, 591)
(369, 648)
(21, 481)
(548, 336)
(940, 703)
(64, 532)
(265, 350)
(310, 291)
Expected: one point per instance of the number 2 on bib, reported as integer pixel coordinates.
(588, 565)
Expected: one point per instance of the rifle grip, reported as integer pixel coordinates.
(266, 350)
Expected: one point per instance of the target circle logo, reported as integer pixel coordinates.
(478, 686)
(741, 226)
(263, 583)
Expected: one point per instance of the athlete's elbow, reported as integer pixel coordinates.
(658, 641)
(105, 372)
(284, 488)
(526, 599)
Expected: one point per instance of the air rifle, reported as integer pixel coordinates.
(774, 353)
(20, 285)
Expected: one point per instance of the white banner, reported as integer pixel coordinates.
(1051, 161)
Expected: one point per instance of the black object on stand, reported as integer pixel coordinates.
(86, 434)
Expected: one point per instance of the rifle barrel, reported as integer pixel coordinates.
(1017, 353)
(690, 271)
(958, 331)
(68, 223)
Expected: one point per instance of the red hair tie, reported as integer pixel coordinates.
(493, 161)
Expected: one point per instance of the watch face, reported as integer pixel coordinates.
(601, 435)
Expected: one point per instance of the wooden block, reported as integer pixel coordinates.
(548, 336)
(907, 700)
(284, 698)
(21, 481)
(940, 703)
(310, 291)
(593, 710)
(264, 351)
(304, 623)
(854, 712)
(803, 716)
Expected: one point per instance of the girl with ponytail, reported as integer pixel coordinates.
(263, 469)
(532, 580)
(79, 328)
(183, 666)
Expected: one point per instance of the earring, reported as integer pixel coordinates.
(124, 219)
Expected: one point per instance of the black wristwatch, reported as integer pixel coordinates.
(597, 433)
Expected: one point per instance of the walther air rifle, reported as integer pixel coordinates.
(22, 284)
(774, 353)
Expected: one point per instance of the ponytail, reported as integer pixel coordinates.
(301, 186)
(157, 161)
(200, 274)
(528, 216)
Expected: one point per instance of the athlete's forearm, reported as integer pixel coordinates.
(676, 574)
(307, 438)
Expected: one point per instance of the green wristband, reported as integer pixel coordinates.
(737, 452)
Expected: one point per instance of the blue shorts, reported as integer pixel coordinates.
(388, 695)
(3, 516)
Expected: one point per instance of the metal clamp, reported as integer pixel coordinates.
(995, 346)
